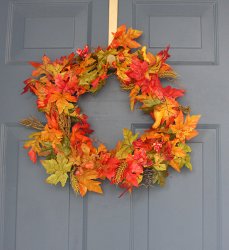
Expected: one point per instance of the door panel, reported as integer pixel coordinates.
(190, 213)
(184, 214)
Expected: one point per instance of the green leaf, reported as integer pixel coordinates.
(149, 103)
(127, 144)
(188, 163)
(51, 166)
(159, 177)
(65, 146)
(58, 168)
(129, 138)
(160, 167)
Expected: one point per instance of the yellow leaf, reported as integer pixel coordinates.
(58, 169)
(165, 111)
(63, 101)
(158, 163)
(185, 129)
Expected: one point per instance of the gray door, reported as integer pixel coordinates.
(191, 212)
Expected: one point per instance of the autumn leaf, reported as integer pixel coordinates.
(47, 67)
(166, 71)
(126, 146)
(181, 157)
(147, 56)
(32, 155)
(159, 164)
(58, 169)
(133, 93)
(165, 112)
(185, 129)
(125, 38)
(34, 145)
(107, 163)
(63, 101)
(172, 92)
(54, 136)
(149, 102)
(87, 182)
(83, 52)
(138, 70)
(159, 177)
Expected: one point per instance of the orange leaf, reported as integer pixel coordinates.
(165, 112)
(125, 38)
(174, 165)
(185, 129)
(133, 93)
(87, 182)
(32, 155)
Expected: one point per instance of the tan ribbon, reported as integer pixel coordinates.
(113, 19)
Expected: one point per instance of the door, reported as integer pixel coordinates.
(190, 212)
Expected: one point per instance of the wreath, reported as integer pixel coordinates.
(64, 140)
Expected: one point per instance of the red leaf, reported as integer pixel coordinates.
(32, 155)
(83, 52)
(173, 92)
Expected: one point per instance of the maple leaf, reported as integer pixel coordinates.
(83, 52)
(185, 130)
(159, 177)
(47, 67)
(138, 160)
(132, 175)
(132, 178)
(66, 83)
(159, 163)
(126, 146)
(149, 102)
(165, 112)
(51, 135)
(159, 66)
(52, 119)
(138, 69)
(181, 157)
(64, 147)
(79, 134)
(147, 56)
(87, 182)
(108, 165)
(63, 101)
(133, 93)
(29, 85)
(122, 65)
(125, 38)
(58, 169)
(147, 144)
(166, 71)
(172, 92)
(32, 155)
(34, 145)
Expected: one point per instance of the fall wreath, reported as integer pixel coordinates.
(64, 140)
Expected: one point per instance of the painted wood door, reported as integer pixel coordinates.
(190, 213)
